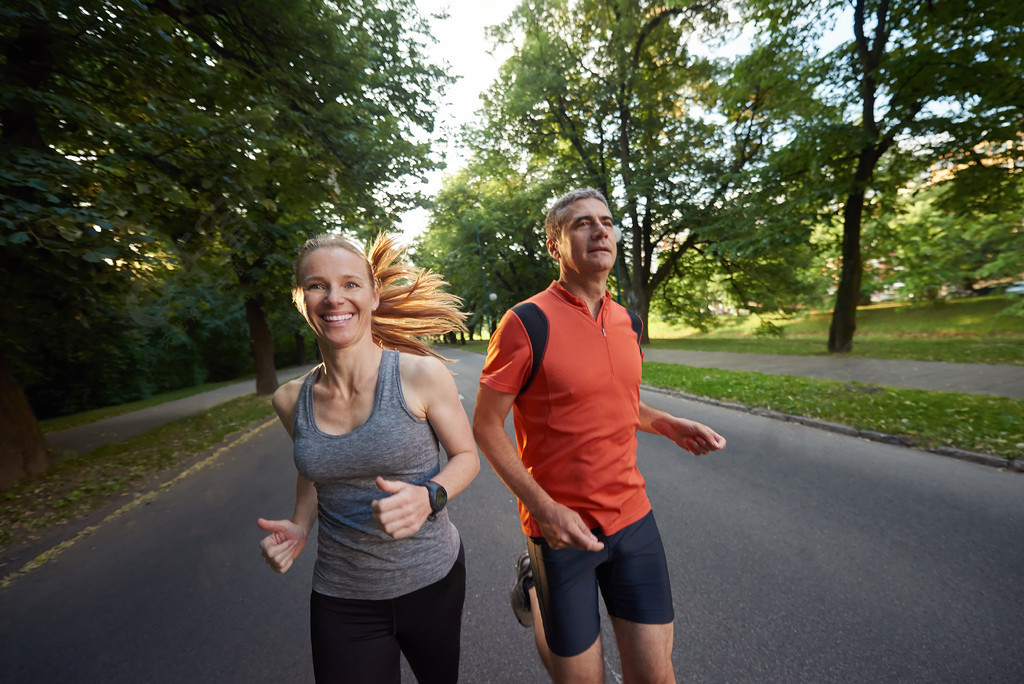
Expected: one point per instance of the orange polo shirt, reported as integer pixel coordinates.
(576, 424)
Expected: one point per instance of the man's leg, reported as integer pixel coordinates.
(645, 651)
(637, 592)
(538, 630)
(585, 668)
(563, 603)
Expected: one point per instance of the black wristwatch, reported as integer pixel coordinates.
(438, 498)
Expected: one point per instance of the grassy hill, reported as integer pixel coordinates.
(970, 330)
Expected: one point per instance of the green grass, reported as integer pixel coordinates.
(973, 330)
(1004, 350)
(979, 423)
(971, 316)
(85, 417)
(961, 331)
(77, 486)
(967, 317)
(970, 330)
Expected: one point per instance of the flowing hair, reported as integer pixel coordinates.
(412, 304)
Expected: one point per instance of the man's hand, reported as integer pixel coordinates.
(563, 528)
(695, 437)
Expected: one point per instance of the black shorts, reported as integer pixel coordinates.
(631, 572)
(359, 640)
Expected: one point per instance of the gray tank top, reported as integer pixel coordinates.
(356, 559)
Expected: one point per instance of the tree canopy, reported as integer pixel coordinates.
(906, 85)
(152, 146)
(732, 176)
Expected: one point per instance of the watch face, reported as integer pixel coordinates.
(438, 496)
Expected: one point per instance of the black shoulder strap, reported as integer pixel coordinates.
(536, 324)
(638, 325)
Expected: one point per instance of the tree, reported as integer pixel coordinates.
(927, 246)
(607, 94)
(194, 133)
(913, 83)
(486, 236)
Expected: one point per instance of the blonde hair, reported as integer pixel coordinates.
(412, 304)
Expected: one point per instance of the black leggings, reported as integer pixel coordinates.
(359, 640)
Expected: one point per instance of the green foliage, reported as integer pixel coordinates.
(899, 86)
(488, 230)
(928, 247)
(161, 163)
(609, 95)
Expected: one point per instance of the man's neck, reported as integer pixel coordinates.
(590, 290)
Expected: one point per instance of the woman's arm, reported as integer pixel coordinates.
(430, 393)
(287, 538)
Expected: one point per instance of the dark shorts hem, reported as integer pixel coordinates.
(631, 573)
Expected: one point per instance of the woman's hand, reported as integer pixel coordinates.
(283, 545)
(403, 513)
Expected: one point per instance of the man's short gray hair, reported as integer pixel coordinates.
(553, 224)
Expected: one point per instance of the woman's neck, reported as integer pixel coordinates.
(346, 369)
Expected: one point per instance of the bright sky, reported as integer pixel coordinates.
(464, 47)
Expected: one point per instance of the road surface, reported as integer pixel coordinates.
(797, 555)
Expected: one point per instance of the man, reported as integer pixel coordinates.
(582, 501)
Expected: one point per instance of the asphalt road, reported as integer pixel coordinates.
(797, 555)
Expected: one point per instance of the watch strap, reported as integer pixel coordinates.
(438, 498)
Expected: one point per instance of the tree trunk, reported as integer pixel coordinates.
(869, 55)
(22, 445)
(643, 310)
(300, 350)
(262, 345)
(844, 315)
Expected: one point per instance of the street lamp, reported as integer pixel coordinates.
(483, 278)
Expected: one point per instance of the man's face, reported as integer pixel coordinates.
(587, 242)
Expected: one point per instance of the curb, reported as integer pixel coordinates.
(1008, 464)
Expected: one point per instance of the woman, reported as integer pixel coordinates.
(390, 569)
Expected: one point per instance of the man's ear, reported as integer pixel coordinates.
(552, 249)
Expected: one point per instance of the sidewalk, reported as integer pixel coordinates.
(83, 439)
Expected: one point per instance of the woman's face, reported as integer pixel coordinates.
(338, 295)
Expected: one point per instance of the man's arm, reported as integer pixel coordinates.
(695, 437)
(561, 526)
